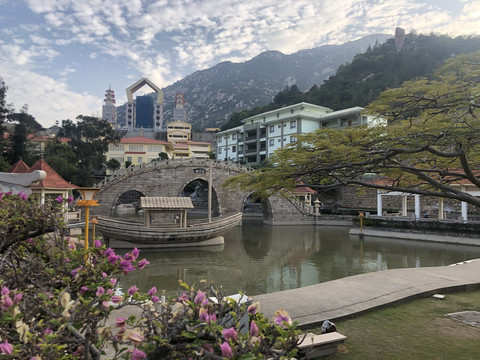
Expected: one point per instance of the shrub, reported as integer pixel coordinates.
(56, 299)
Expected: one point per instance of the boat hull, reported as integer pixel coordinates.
(200, 234)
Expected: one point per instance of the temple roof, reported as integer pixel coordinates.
(20, 168)
(53, 180)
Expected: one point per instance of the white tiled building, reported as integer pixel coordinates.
(262, 134)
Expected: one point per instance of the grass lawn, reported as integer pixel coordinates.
(415, 330)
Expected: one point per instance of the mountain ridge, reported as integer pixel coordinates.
(213, 94)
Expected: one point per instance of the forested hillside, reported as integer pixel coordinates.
(379, 68)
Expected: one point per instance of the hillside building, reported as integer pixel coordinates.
(138, 150)
(256, 140)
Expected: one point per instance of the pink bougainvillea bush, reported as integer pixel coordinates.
(57, 301)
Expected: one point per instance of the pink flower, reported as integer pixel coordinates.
(133, 289)
(116, 299)
(142, 263)
(23, 196)
(135, 253)
(17, 298)
(105, 304)
(155, 299)
(71, 245)
(152, 291)
(84, 289)
(212, 319)
(199, 298)
(226, 350)
(104, 274)
(229, 333)
(112, 258)
(203, 315)
(6, 302)
(113, 281)
(100, 291)
(47, 331)
(110, 291)
(59, 199)
(282, 317)
(70, 199)
(126, 266)
(183, 297)
(6, 348)
(5, 291)
(74, 272)
(254, 308)
(120, 322)
(97, 243)
(138, 354)
(253, 329)
(135, 337)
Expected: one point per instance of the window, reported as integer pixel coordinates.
(234, 136)
(234, 149)
(278, 115)
(284, 124)
(219, 139)
(292, 139)
(291, 111)
(228, 137)
(140, 160)
(279, 140)
(129, 159)
(135, 147)
(116, 147)
(271, 142)
(270, 154)
(272, 128)
(293, 124)
(220, 151)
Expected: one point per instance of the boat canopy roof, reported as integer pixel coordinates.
(166, 203)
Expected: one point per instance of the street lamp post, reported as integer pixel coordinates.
(87, 201)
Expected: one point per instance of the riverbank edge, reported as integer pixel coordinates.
(449, 239)
(358, 294)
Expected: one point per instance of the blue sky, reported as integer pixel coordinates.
(59, 56)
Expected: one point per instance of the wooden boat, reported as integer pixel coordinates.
(137, 234)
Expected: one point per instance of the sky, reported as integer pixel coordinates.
(59, 56)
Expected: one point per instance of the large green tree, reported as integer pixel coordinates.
(89, 139)
(63, 160)
(429, 147)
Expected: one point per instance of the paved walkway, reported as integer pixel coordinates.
(354, 295)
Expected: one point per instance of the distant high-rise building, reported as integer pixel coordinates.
(149, 119)
(179, 112)
(109, 110)
(144, 112)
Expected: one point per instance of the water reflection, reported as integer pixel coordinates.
(260, 259)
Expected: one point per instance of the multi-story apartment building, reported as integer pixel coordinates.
(260, 135)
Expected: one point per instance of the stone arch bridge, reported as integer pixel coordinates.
(170, 177)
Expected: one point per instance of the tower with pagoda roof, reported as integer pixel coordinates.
(179, 112)
(109, 110)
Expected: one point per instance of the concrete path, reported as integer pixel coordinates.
(347, 297)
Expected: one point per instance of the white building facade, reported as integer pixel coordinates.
(256, 140)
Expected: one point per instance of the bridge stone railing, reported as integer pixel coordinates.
(154, 165)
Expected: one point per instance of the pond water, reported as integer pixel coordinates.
(259, 259)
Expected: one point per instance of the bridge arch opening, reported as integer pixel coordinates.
(197, 190)
(127, 204)
(255, 207)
